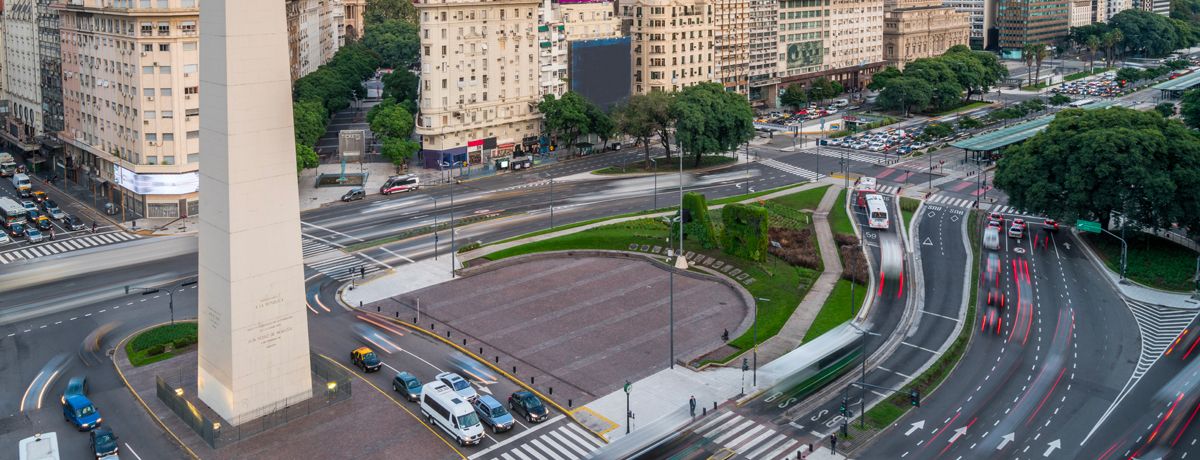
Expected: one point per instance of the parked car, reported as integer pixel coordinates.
(459, 385)
(356, 193)
(365, 359)
(104, 443)
(528, 405)
(4, 239)
(493, 414)
(72, 223)
(407, 385)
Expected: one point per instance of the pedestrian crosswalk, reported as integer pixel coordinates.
(540, 183)
(23, 251)
(854, 156)
(887, 189)
(790, 169)
(312, 248)
(346, 268)
(748, 438)
(951, 201)
(566, 441)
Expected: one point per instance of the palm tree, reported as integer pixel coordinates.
(1118, 43)
(1027, 54)
(1093, 44)
(1040, 53)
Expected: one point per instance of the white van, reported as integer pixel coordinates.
(841, 103)
(991, 238)
(443, 407)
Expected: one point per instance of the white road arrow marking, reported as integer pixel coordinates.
(916, 426)
(1006, 439)
(1067, 245)
(927, 242)
(485, 389)
(958, 433)
(1055, 444)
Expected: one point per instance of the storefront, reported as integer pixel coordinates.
(444, 159)
(502, 156)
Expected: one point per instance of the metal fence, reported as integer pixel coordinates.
(331, 385)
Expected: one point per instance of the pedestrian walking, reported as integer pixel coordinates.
(833, 442)
(692, 405)
(725, 335)
(51, 233)
(93, 226)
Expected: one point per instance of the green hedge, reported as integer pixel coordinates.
(745, 233)
(701, 226)
(159, 343)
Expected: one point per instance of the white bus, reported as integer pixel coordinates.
(877, 212)
(1081, 103)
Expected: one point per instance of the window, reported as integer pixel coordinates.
(151, 160)
(164, 47)
(164, 92)
(168, 137)
(148, 92)
(193, 134)
(148, 70)
(191, 90)
(164, 28)
(192, 158)
(149, 115)
(151, 137)
(187, 3)
(188, 27)
(167, 114)
(168, 160)
(164, 70)
(147, 30)
(189, 68)
(147, 47)
(189, 46)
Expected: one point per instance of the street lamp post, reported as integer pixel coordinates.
(435, 226)
(551, 200)
(862, 379)
(655, 163)
(170, 295)
(754, 382)
(628, 413)
(453, 255)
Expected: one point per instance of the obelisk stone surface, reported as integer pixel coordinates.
(253, 351)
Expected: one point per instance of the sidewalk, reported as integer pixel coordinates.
(660, 394)
(792, 333)
(400, 280)
(1135, 292)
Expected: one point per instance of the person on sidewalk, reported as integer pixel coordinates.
(93, 226)
(833, 443)
(692, 405)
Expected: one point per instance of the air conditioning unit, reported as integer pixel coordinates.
(187, 74)
(149, 98)
(188, 97)
(143, 54)
(145, 122)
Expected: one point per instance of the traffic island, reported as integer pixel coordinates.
(335, 423)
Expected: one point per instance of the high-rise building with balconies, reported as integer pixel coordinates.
(672, 43)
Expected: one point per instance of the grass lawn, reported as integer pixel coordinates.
(151, 345)
(837, 309)
(1084, 74)
(964, 108)
(808, 199)
(1153, 261)
(666, 166)
(1034, 87)
(839, 221)
(780, 282)
(908, 206)
(891, 409)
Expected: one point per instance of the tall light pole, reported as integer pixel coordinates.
(655, 163)
(754, 382)
(453, 254)
(551, 199)
(435, 226)
(170, 295)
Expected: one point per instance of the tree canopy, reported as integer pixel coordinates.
(794, 96)
(697, 127)
(1186, 10)
(1189, 108)
(396, 42)
(643, 116)
(940, 82)
(1141, 32)
(567, 117)
(1091, 163)
(389, 10)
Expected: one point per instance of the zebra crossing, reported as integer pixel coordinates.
(566, 441)
(854, 156)
(950, 201)
(749, 439)
(48, 248)
(790, 169)
(342, 268)
(887, 189)
(312, 248)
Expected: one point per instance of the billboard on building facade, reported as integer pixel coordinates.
(600, 70)
(157, 184)
(804, 54)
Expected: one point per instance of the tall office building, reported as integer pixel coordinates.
(1023, 22)
(132, 104)
(672, 43)
(841, 40)
(1117, 6)
(479, 79)
(731, 44)
(764, 51)
(313, 34)
(914, 29)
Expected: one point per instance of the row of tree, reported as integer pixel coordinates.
(1137, 32)
(797, 95)
(326, 90)
(938, 83)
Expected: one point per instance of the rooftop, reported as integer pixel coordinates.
(1004, 137)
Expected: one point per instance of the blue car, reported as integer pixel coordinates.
(493, 414)
(79, 411)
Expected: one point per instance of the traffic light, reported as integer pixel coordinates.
(745, 364)
(842, 408)
(914, 397)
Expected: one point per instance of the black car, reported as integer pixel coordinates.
(527, 404)
(72, 223)
(39, 220)
(16, 230)
(104, 442)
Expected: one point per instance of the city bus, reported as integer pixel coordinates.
(11, 212)
(863, 187)
(877, 212)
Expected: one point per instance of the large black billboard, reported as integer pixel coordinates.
(600, 70)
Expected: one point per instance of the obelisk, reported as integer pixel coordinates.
(253, 352)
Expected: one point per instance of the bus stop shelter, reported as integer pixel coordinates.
(984, 148)
(1173, 89)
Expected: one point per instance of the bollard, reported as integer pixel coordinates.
(432, 326)
(551, 390)
(481, 350)
(531, 380)
(514, 369)
(360, 304)
(378, 308)
(397, 315)
(497, 358)
(447, 333)
(414, 318)
(569, 402)
(703, 411)
(464, 342)
(714, 405)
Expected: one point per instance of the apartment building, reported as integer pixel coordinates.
(731, 44)
(1162, 7)
(552, 51)
(479, 79)
(1081, 13)
(764, 51)
(841, 40)
(588, 19)
(980, 14)
(1023, 22)
(313, 34)
(24, 123)
(672, 43)
(1116, 6)
(131, 102)
(351, 25)
(914, 29)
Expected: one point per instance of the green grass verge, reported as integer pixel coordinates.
(1084, 74)
(665, 165)
(891, 409)
(808, 199)
(964, 108)
(1034, 87)
(1152, 261)
(839, 221)
(908, 206)
(158, 343)
(778, 281)
(837, 308)
(747, 196)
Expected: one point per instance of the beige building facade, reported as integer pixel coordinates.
(1082, 13)
(731, 44)
(22, 76)
(764, 51)
(552, 51)
(919, 29)
(479, 75)
(589, 20)
(841, 40)
(351, 27)
(672, 43)
(132, 104)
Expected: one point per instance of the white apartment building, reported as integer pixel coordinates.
(479, 79)
(552, 51)
(589, 19)
(764, 51)
(672, 43)
(131, 102)
(22, 76)
(731, 44)
(980, 15)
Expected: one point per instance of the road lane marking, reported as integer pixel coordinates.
(130, 449)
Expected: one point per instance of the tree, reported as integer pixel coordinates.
(1166, 109)
(395, 41)
(1090, 163)
(1093, 44)
(306, 158)
(659, 105)
(822, 89)
(636, 119)
(794, 96)
(401, 85)
(309, 118)
(566, 118)
(881, 79)
(1059, 99)
(1186, 10)
(905, 93)
(1111, 40)
(1189, 109)
(969, 122)
(393, 121)
(398, 150)
(389, 10)
(1040, 53)
(1150, 34)
(710, 120)
(600, 123)
(938, 130)
(1129, 74)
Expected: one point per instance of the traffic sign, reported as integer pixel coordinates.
(1087, 226)
(628, 386)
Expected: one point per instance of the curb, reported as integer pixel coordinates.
(120, 347)
(519, 382)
